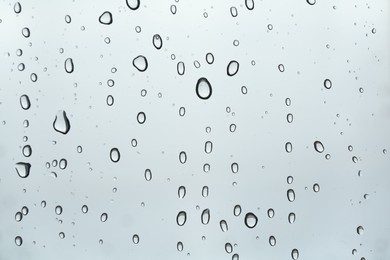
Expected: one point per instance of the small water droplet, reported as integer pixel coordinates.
(360, 230)
(110, 100)
(103, 217)
(318, 146)
(316, 187)
(233, 11)
(182, 111)
(79, 149)
(68, 19)
(182, 157)
(140, 63)
(157, 41)
(203, 88)
(237, 210)
(33, 77)
(63, 163)
(141, 117)
(206, 167)
(43, 204)
(272, 240)
(209, 58)
(271, 213)
(311, 2)
(84, 209)
(291, 195)
(115, 155)
(61, 235)
(232, 68)
(250, 4)
(250, 220)
(288, 147)
(181, 68)
(281, 67)
(24, 210)
(18, 216)
(135, 239)
(25, 102)
(173, 9)
(232, 128)
(26, 32)
(18, 241)
(223, 225)
(291, 217)
(290, 179)
(17, 8)
(23, 169)
(228, 248)
(61, 122)
(58, 210)
(327, 83)
(205, 191)
(244, 90)
(27, 150)
(290, 118)
(133, 4)
(205, 216)
(354, 159)
(235, 257)
(179, 246)
(68, 65)
(208, 147)
(288, 102)
(148, 174)
(105, 18)
(234, 167)
(295, 254)
(181, 218)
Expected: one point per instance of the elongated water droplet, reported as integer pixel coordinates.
(182, 111)
(205, 191)
(272, 240)
(68, 19)
(281, 67)
(295, 254)
(181, 218)
(26, 32)
(311, 2)
(63, 163)
(232, 128)
(181, 192)
(233, 11)
(61, 122)
(24, 210)
(115, 155)
(360, 230)
(103, 217)
(141, 117)
(43, 204)
(25, 102)
(234, 167)
(288, 102)
(140, 63)
(250, 220)
(173, 9)
(271, 213)
(209, 58)
(232, 68)
(17, 8)
(68, 65)
(133, 4)
(58, 210)
(157, 41)
(23, 169)
(18, 216)
(316, 187)
(84, 209)
(135, 239)
(290, 118)
(288, 147)
(18, 241)
(110, 100)
(291, 217)
(203, 88)
(179, 246)
(182, 157)
(250, 4)
(290, 179)
(208, 147)
(148, 174)
(105, 18)
(291, 195)
(27, 151)
(228, 248)
(327, 83)
(181, 68)
(223, 225)
(237, 210)
(318, 146)
(205, 217)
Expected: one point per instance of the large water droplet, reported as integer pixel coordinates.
(291, 217)
(181, 192)
(140, 63)
(327, 83)
(250, 220)
(135, 239)
(205, 217)
(23, 169)
(115, 155)
(295, 254)
(18, 241)
(181, 68)
(237, 210)
(232, 68)
(228, 248)
(61, 122)
(103, 217)
(250, 4)
(68, 65)
(63, 163)
(182, 157)
(318, 146)
(203, 88)
(291, 195)
(17, 8)
(58, 210)
(105, 18)
(288, 147)
(181, 218)
(25, 102)
(157, 41)
(141, 117)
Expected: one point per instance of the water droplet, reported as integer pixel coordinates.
(148, 174)
(26, 32)
(25, 102)
(179, 246)
(233, 11)
(181, 68)
(182, 157)
(173, 9)
(68, 65)
(318, 146)
(27, 151)
(288, 147)
(234, 167)
(232, 68)
(316, 187)
(24, 210)
(205, 217)
(17, 8)
(235, 257)
(288, 102)
(84, 209)
(203, 88)
(141, 117)
(295, 254)
(133, 4)
(290, 179)
(244, 90)
(115, 155)
(384, 151)
(206, 167)
(250, 4)
(228, 248)
(311, 2)
(290, 118)
(18, 216)
(23, 169)
(182, 111)
(272, 240)
(232, 128)
(327, 83)
(237, 210)
(61, 235)
(157, 41)
(250, 220)
(354, 159)
(58, 210)
(291, 195)
(271, 213)
(208, 147)
(291, 217)
(68, 19)
(140, 63)
(33, 77)
(205, 191)
(135, 239)
(43, 204)
(209, 58)
(360, 230)
(18, 241)
(110, 100)
(103, 217)
(105, 18)
(63, 163)
(79, 149)
(270, 27)
(134, 142)
(181, 218)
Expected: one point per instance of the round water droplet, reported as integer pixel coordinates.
(311, 2)
(135, 239)
(281, 67)
(157, 41)
(179, 246)
(133, 4)
(234, 167)
(290, 179)
(103, 217)
(141, 117)
(18, 216)
(237, 210)
(316, 187)
(295, 254)
(233, 11)
(318, 146)
(288, 147)
(270, 27)
(360, 230)
(235, 257)
(68, 65)
(182, 157)
(110, 100)
(272, 240)
(197, 64)
(228, 248)
(17, 8)
(250, 220)
(290, 118)
(79, 149)
(148, 174)
(58, 210)
(203, 88)
(244, 90)
(115, 155)
(208, 147)
(33, 77)
(134, 142)
(24, 210)
(354, 159)
(291, 195)
(232, 68)
(25, 102)
(18, 241)
(270, 213)
(250, 4)
(327, 83)
(27, 150)
(140, 63)
(205, 216)
(105, 18)
(23, 169)
(68, 19)
(291, 217)
(205, 191)
(63, 163)
(181, 68)
(61, 235)
(232, 128)
(26, 32)
(223, 225)
(181, 218)
(288, 102)
(84, 209)
(209, 58)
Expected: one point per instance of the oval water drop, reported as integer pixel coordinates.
(68, 19)
(250, 4)
(295, 254)
(228, 248)
(17, 8)
(68, 65)
(272, 241)
(209, 58)
(316, 187)
(115, 155)
(181, 218)
(179, 246)
(234, 167)
(271, 213)
(105, 18)
(182, 111)
(24, 210)
(288, 147)
(232, 128)
(288, 102)
(110, 100)
(205, 191)
(18, 241)
(157, 41)
(360, 230)
(250, 220)
(291, 217)
(311, 2)
(133, 4)
(84, 209)
(103, 217)
(173, 9)
(290, 179)
(281, 67)
(203, 88)
(27, 151)
(18, 216)
(291, 195)
(182, 157)
(232, 68)
(181, 192)
(63, 163)
(58, 210)
(233, 11)
(25, 102)
(327, 83)
(26, 32)
(135, 239)
(141, 117)
(290, 118)
(208, 147)
(318, 146)
(181, 68)
(148, 174)
(140, 63)
(205, 216)
(223, 225)
(23, 169)
(237, 210)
